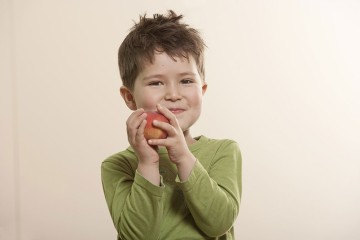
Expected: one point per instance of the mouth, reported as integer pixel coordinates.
(176, 110)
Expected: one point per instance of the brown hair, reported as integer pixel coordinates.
(160, 33)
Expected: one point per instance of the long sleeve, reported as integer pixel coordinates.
(203, 207)
(134, 203)
(213, 190)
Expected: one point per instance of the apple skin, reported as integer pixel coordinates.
(152, 132)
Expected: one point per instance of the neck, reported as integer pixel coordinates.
(188, 138)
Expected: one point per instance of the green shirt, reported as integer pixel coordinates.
(203, 207)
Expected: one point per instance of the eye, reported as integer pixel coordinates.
(155, 83)
(187, 81)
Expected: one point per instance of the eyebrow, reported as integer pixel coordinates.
(162, 75)
(153, 76)
(187, 73)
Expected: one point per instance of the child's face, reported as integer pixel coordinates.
(175, 85)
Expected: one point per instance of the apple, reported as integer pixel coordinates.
(152, 132)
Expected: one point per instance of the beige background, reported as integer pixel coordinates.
(283, 79)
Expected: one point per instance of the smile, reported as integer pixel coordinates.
(176, 110)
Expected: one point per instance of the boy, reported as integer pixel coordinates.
(179, 187)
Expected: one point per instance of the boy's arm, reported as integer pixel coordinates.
(134, 203)
(213, 196)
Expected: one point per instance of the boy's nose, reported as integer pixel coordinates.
(172, 93)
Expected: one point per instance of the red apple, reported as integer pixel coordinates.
(152, 132)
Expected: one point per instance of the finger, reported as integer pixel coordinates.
(133, 123)
(169, 129)
(136, 114)
(136, 119)
(168, 114)
(140, 130)
(158, 142)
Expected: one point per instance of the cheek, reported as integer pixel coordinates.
(146, 102)
(196, 98)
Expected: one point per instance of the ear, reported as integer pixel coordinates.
(204, 88)
(128, 97)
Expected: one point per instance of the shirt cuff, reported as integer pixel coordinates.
(197, 171)
(148, 186)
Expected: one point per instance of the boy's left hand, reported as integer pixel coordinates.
(175, 143)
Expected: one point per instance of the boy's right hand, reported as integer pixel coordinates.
(147, 155)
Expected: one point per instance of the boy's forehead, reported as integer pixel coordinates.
(159, 55)
(164, 60)
(164, 66)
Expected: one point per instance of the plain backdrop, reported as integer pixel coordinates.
(284, 81)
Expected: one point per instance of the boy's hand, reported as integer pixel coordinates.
(147, 155)
(175, 143)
